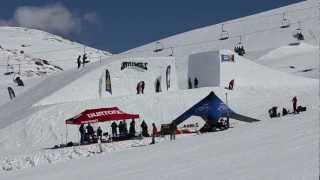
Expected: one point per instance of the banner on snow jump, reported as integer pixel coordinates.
(140, 66)
(108, 82)
(227, 57)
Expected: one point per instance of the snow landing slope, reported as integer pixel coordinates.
(34, 54)
(282, 148)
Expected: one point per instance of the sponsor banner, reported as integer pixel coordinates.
(227, 57)
(108, 82)
(140, 66)
(168, 72)
(103, 113)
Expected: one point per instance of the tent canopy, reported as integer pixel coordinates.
(100, 115)
(211, 108)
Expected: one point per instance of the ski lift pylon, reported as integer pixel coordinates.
(285, 23)
(224, 34)
(172, 52)
(158, 47)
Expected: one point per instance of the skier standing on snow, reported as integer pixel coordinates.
(79, 61)
(154, 133)
(294, 103)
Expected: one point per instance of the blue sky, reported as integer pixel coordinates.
(119, 25)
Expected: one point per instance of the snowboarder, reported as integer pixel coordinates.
(196, 82)
(82, 133)
(154, 133)
(79, 61)
(114, 127)
(294, 103)
(231, 84)
(189, 83)
(99, 133)
(132, 129)
(84, 58)
(11, 93)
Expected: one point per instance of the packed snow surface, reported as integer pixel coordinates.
(270, 74)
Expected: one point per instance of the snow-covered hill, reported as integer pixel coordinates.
(281, 148)
(34, 54)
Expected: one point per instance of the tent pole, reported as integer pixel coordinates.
(227, 99)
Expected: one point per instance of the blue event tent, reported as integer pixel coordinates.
(211, 108)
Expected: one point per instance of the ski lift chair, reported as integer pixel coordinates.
(158, 47)
(298, 34)
(285, 23)
(239, 48)
(224, 34)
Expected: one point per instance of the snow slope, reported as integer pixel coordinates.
(299, 60)
(35, 54)
(281, 148)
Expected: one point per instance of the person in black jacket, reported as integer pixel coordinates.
(82, 133)
(84, 58)
(19, 81)
(90, 130)
(79, 61)
(114, 127)
(132, 129)
(99, 133)
(196, 83)
(144, 128)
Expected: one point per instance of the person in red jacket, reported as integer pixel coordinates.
(231, 83)
(294, 103)
(154, 133)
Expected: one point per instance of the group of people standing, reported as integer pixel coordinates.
(121, 129)
(89, 135)
(82, 60)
